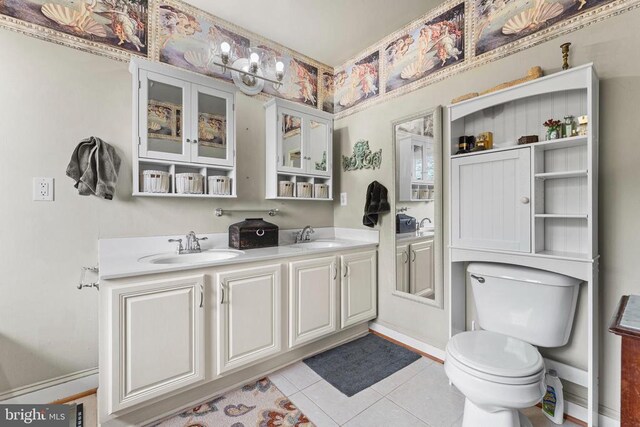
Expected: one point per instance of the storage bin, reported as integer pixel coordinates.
(305, 189)
(189, 183)
(155, 181)
(285, 188)
(219, 185)
(321, 191)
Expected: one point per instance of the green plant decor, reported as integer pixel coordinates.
(362, 158)
(322, 166)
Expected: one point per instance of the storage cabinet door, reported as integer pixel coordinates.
(490, 201)
(358, 288)
(318, 150)
(312, 299)
(291, 141)
(212, 126)
(402, 268)
(158, 339)
(249, 316)
(422, 273)
(164, 106)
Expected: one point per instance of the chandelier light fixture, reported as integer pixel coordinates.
(249, 74)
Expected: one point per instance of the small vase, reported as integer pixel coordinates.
(552, 133)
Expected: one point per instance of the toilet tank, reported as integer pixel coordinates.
(533, 305)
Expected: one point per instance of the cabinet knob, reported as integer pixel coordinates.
(524, 200)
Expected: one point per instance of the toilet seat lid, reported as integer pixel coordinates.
(496, 354)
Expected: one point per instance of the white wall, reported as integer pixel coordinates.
(50, 98)
(612, 45)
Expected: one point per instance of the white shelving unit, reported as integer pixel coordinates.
(534, 205)
(299, 148)
(182, 123)
(415, 156)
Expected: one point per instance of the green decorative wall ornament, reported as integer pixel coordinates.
(362, 158)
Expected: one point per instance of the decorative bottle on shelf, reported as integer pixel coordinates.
(568, 127)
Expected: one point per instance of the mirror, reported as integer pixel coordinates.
(164, 118)
(291, 141)
(212, 126)
(318, 140)
(418, 187)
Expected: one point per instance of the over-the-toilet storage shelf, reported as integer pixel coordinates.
(534, 205)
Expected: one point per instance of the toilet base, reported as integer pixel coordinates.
(475, 416)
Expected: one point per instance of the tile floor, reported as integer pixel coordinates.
(416, 396)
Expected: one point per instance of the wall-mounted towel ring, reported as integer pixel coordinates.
(83, 273)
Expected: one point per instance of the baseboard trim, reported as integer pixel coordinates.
(573, 412)
(55, 389)
(418, 346)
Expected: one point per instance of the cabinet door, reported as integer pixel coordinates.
(291, 141)
(402, 268)
(358, 288)
(157, 339)
(318, 150)
(490, 201)
(249, 318)
(312, 299)
(212, 126)
(422, 273)
(164, 104)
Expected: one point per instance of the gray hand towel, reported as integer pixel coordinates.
(94, 165)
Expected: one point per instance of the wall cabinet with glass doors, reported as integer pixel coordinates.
(299, 148)
(184, 133)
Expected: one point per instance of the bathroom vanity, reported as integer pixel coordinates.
(188, 327)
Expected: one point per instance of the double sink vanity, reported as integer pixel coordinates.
(205, 321)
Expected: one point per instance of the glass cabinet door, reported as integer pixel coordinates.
(162, 102)
(291, 155)
(319, 158)
(212, 126)
(418, 162)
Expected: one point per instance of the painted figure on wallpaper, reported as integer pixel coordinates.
(300, 80)
(434, 45)
(193, 43)
(118, 23)
(357, 82)
(328, 84)
(500, 22)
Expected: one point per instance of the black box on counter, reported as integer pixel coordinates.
(253, 233)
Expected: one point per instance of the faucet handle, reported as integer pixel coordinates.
(179, 242)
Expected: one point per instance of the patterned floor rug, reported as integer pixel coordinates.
(255, 405)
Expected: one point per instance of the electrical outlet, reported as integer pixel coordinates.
(343, 199)
(43, 189)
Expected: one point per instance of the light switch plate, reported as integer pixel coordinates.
(43, 189)
(343, 199)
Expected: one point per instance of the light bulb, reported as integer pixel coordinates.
(254, 58)
(279, 66)
(225, 47)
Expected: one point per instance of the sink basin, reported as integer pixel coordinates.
(319, 244)
(197, 258)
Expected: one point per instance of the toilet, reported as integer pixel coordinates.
(498, 368)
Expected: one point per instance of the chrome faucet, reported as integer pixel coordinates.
(192, 245)
(422, 222)
(304, 235)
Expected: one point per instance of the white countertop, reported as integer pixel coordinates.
(631, 316)
(119, 258)
(416, 235)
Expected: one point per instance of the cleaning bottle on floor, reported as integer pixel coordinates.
(553, 402)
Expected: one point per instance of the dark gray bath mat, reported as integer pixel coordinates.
(356, 365)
